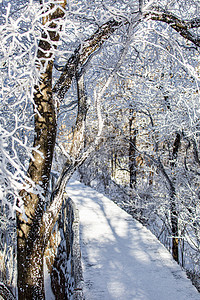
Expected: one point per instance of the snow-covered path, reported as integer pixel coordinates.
(122, 259)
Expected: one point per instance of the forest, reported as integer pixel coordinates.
(109, 89)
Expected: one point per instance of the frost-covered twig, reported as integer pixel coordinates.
(5, 292)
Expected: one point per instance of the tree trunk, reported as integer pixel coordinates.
(173, 208)
(173, 212)
(30, 240)
(174, 226)
(78, 140)
(30, 264)
(132, 149)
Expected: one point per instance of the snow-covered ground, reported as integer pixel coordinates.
(122, 259)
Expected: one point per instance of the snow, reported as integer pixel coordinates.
(47, 283)
(121, 258)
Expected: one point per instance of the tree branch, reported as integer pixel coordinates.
(181, 26)
(84, 52)
(81, 56)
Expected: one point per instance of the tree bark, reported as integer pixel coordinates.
(132, 149)
(173, 206)
(181, 26)
(30, 240)
(78, 140)
(81, 56)
(174, 225)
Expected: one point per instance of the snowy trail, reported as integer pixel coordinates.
(122, 259)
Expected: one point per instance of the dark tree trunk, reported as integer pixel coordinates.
(132, 149)
(173, 205)
(174, 225)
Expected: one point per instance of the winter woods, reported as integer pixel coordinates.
(113, 83)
